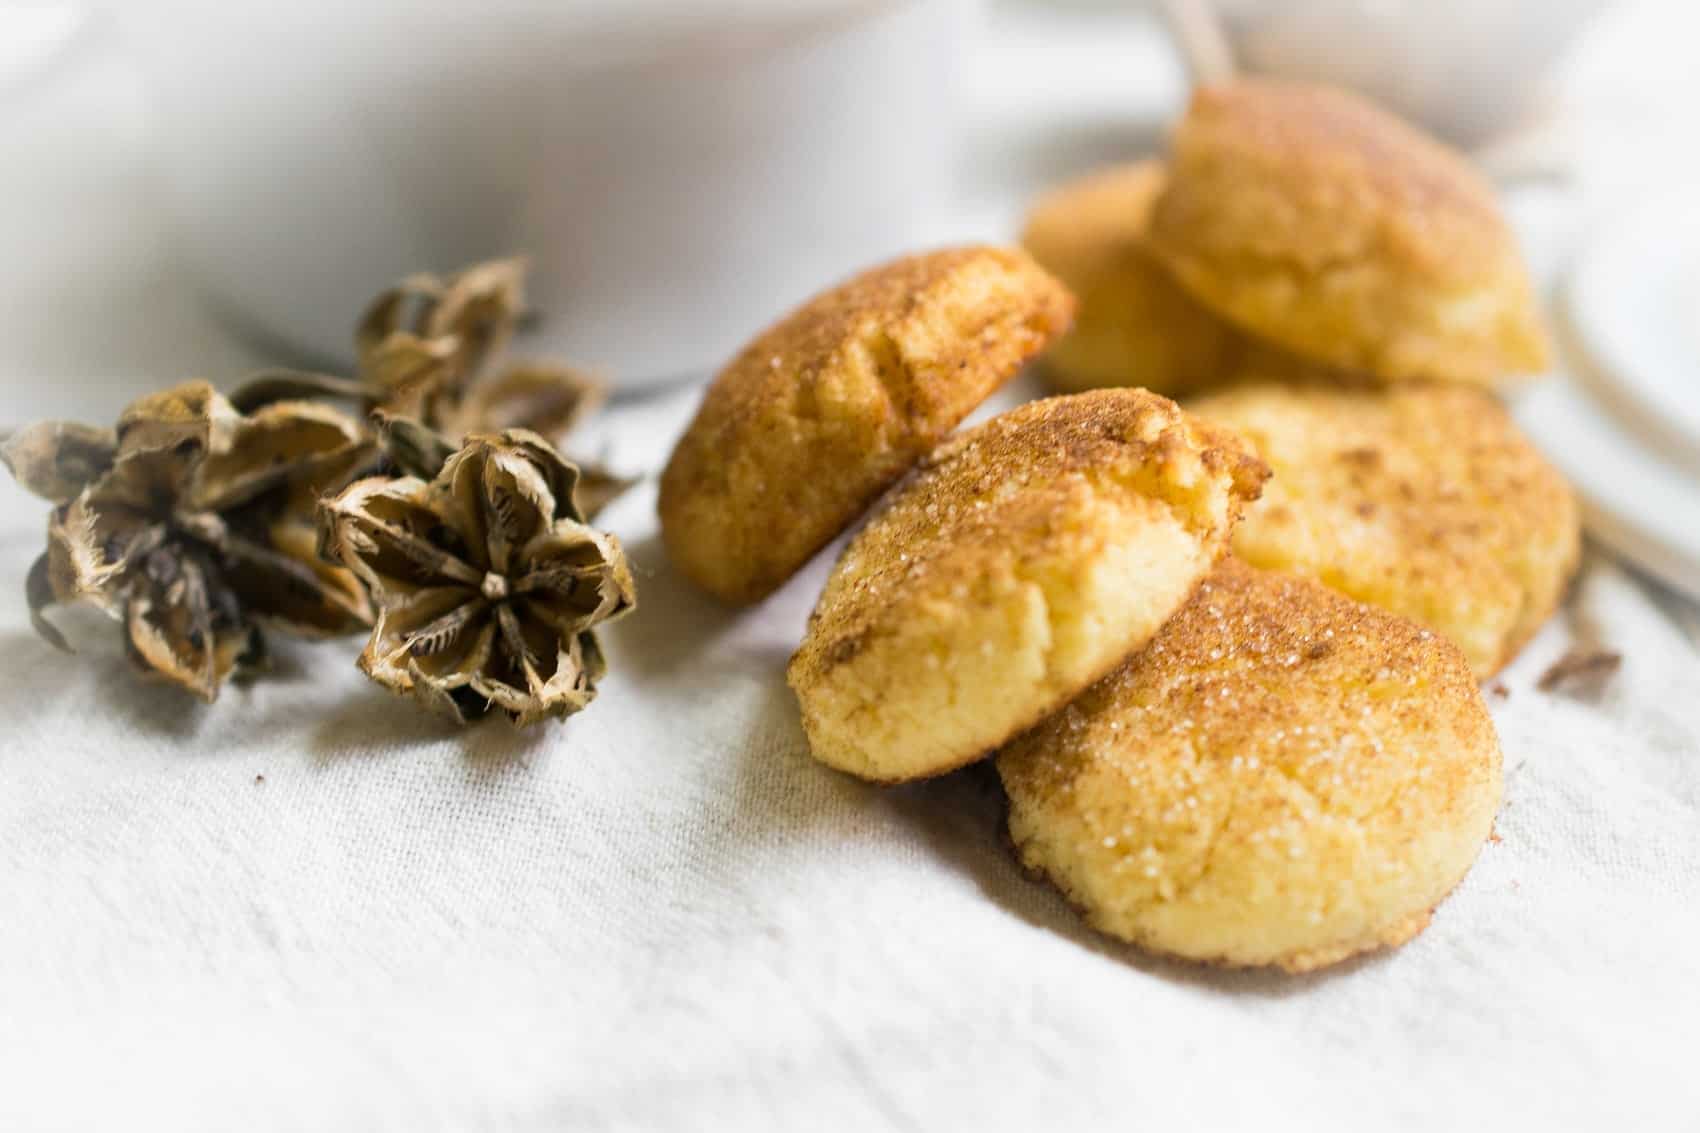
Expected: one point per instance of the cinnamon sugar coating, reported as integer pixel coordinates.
(1027, 558)
(805, 428)
(1425, 500)
(1283, 776)
(1314, 219)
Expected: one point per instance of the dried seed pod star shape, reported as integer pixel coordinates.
(425, 341)
(433, 349)
(193, 524)
(488, 581)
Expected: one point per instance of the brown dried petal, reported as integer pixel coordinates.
(481, 306)
(191, 413)
(472, 314)
(438, 646)
(518, 702)
(475, 660)
(598, 487)
(409, 374)
(392, 534)
(400, 309)
(499, 490)
(163, 440)
(461, 488)
(558, 564)
(439, 677)
(562, 616)
(38, 592)
(58, 459)
(177, 637)
(146, 480)
(517, 505)
(284, 583)
(558, 472)
(572, 686)
(591, 659)
(414, 448)
(88, 550)
(517, 669)
(387, 310)
(547, 400)
(394, 652)
(519, 652)
(619, 591)
(283, 442)
(267, 387)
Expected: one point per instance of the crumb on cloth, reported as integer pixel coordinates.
(1581, 673)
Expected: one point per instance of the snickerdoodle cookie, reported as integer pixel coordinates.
(1319, 222)
(1027, 558)
(1283, 776)
(1136, 325)
(1421, 499)
(827, 408)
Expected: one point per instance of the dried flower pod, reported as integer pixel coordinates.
(58, 459)
(487, 580)
(411, 448)
(429, 348)
(193, 524)
(425, 339)
(264, 387)
(548, 400)
(598, 487)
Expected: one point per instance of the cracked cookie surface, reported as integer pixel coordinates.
(823, 411)
(1027, 557)
(1424, 500)
(1314, 219)
(1283, 776)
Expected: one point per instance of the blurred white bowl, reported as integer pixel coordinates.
(679, 172)
(1464, 68)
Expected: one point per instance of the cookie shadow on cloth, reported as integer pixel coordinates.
(98, 679)
(760, 812)
(675, 629)
(778, 793)
(962, 816)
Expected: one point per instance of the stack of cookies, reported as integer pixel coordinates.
(1232, 729)
(1343, 292)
